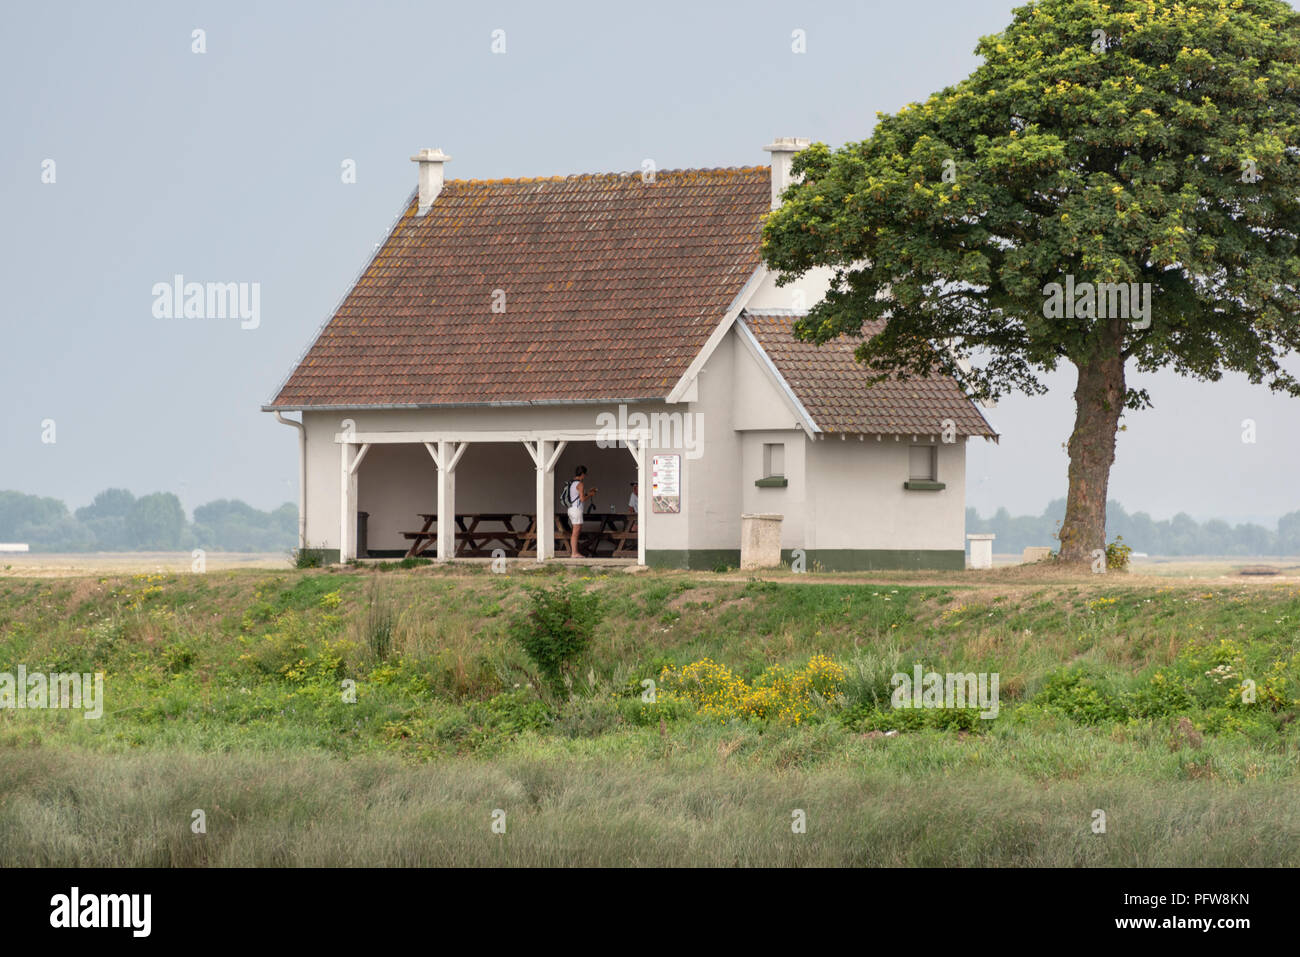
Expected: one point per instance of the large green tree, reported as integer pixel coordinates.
(156, 521)
(1125, 142)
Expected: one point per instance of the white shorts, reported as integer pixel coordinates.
(575, 514)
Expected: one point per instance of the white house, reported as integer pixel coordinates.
(508, 330)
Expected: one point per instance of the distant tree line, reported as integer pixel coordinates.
(1180, 535)
(118, 521)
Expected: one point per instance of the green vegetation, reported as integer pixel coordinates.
(1118, 555)
(731, 701)
(710, 797)
(308, 558)
(118, 521)
(1180, 535)
(555, 632)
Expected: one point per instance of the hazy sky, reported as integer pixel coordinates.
(226, 166)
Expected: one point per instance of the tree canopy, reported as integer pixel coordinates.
(1129, 142)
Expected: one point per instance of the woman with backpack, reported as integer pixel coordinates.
(572, 498)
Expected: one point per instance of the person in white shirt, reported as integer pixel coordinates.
(578, 494)
(632, 500)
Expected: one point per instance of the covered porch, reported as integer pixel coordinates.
(392, 503)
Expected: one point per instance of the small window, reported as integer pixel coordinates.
(924, 464)
(774, 460)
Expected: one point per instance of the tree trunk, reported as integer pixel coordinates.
(1099, 401)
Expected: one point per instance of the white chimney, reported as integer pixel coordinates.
(783, 149)
(430, 176)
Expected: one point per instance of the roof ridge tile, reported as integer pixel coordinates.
(619, 175)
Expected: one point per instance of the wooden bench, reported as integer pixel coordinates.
(471, 540)
(597, 531)
(615, 530)
(624, 539)
(528, 539)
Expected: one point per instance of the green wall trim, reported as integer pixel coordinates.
(817, 559)
(696, 559)
(880, 559)
(916, 485)
(330, 556)
(775, 481)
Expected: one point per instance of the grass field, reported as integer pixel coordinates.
(225, 692)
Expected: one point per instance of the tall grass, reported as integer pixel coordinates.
(77, 809)
(379, 623)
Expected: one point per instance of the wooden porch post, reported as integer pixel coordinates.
(638, 447)
(545, 454)
(346, 486)
(545, 514)
(447, 457)
(348, 497)
(446, 503)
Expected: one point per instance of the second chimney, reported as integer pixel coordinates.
(430, 176)
(783, 149)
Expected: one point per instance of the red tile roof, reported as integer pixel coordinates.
(833, 386)
(612, 285)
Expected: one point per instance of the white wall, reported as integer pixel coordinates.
(394, 484)
(322, 479)
(791, 501)
(813, 286)
(759, 402)
(710, 496)
(856, 497)
(765, 414)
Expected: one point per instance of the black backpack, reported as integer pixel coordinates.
(566, 499)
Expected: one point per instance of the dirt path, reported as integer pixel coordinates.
(1009, 580)
(52, 565)
(1014, 580)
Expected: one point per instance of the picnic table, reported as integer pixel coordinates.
(478, 534)
(613, 528)
(498, 531)
(616, 529)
